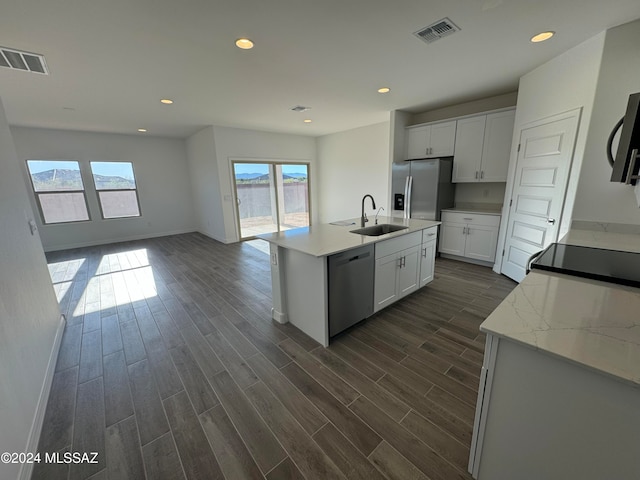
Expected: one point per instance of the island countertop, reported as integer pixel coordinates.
(326, 239)
(588, 322)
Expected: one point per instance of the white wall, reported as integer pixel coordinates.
(205, 184)
(467, 108)
(564, 83)
(490, 192)
(597, 199)
(29, 314)
(227, 144)
(160, 166)
(352, 164)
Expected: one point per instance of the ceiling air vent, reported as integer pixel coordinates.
(436, 31)
(300, 108)
(25, 61)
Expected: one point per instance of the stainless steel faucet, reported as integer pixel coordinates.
(363, 217)
(378, 213)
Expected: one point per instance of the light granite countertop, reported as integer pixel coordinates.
(327, 239)
(587, 322)
(626, 242)
(485, 208)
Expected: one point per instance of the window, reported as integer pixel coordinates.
(271, 197)
(116, 187)
(59, 190)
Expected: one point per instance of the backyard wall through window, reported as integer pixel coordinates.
(59, 190)
(271, 197)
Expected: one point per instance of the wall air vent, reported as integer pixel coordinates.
(436, 31)
(25, 61)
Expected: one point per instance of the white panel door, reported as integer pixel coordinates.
(542, 171)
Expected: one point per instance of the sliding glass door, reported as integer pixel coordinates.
(271, 197)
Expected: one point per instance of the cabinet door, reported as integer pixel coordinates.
(469, 143)
(481, 242)
(427, 262)
(443, 139)
(452, 238)
(408, 274)
(498, 135)
(386, 279)
(417, 142)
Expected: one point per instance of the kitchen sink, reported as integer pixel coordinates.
(376, 230)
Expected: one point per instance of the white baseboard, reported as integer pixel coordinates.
(279, 316)
(26, 469)
(108, 241)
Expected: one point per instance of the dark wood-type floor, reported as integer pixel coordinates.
(171, 368)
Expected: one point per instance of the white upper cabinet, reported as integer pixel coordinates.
(468, 157)
(431, 141)
(482, 147)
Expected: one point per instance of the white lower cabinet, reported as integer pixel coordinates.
(473, 236)
(427, 256)
(403, 265)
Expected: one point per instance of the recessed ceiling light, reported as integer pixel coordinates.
(166, 101)
(244, 43)
(307, 120)
(542, 36)
(384, 90)
(142, 130)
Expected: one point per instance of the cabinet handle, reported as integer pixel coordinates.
(482, 174)
(476, 174)
(463, 230)
(467, 218)
(424, 252)
(430, 234)
(404, 260)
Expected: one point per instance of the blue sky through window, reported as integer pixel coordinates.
(113, 169)
(263, 168)
(37, 166)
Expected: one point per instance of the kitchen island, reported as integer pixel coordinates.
(560, 383)
(300, 271)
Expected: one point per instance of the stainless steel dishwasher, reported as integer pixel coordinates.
(350, 287)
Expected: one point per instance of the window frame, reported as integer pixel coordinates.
(37, 193)
(98, 190)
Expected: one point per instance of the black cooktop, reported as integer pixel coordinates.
(594, 263)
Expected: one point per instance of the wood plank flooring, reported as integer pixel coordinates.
(171, 367)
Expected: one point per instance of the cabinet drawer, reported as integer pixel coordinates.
(393, 245)
(429, 234)
(471, 218)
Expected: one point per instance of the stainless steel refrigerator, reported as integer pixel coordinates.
(422, 188)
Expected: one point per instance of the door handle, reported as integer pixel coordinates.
(551, 221)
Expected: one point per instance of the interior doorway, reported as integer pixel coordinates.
(270, 196)
(545, 154)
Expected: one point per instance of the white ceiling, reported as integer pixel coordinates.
(111, 61)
